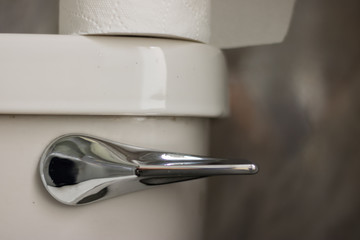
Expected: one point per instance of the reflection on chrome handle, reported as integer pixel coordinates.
(79, 169)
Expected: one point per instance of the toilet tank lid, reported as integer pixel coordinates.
(94, 75)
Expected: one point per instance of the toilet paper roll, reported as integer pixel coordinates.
(223, 23)
(188, 19)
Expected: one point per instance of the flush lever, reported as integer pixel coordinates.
(79, 169)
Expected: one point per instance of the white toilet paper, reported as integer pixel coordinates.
(223, 23)
(189, 19)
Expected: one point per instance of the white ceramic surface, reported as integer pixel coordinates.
(58, 74)
(172, 211)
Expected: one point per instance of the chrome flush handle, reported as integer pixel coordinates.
(79, 169)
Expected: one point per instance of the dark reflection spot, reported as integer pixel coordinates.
(94, 196)
(63, 171)
(163, 180)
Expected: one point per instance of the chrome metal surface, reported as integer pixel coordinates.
(79, 169)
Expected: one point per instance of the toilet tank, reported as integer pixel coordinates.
(153, 93)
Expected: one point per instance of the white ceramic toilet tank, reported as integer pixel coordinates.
(172, 211)
(144, 92)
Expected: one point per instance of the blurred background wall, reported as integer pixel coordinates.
(29, 16)
(295, 112)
